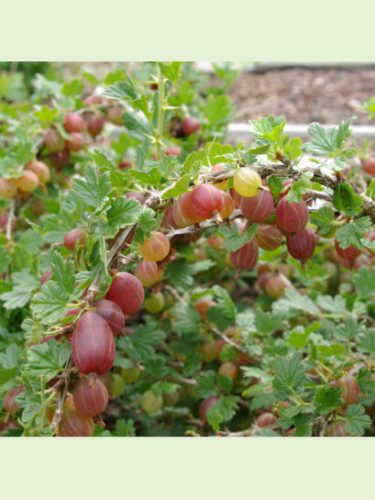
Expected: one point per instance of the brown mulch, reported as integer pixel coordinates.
(300, 95)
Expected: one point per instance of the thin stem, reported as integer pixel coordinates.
(161, 112)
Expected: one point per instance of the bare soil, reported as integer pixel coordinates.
(300, 95)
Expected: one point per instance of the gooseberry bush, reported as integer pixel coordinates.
(158, 281)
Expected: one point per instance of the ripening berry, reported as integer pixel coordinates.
(10, 404)
(73, 236)
(190, 125)
(350, 253)
(149, 272)
(237, 198)
(209, 351)
(207, 199)
(246, 182)
(114, 115)
(95, 124)
(127, 291)
(28, 182)
(350, 389)
(90, 397)
(155, 303)
(155, 248)
(74, 123)
(37, 206)
(301, 245)
(8, 188)
(92, 100)
(266, 420)
(112, 313)
(185, 213)
(172, 398)
(60, 159)
(151, 403)
(73, 424)
(206, 405)
(40, 169)
(292, 217)
(268, 237)
(258, 208)
(172, 151)
(219, 167)
(228, 206)
(228, 369)
(369, 166)
(46, 276)
(93, 345)
(202, 306)
(76, 141)
(338, 430)
(130, 375)
(125, 164)
(53, 141)
(275, 287)
(246, 257)
(136, 196)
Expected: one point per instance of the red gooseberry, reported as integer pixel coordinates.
(93, 346)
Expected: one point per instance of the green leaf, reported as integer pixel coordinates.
(327, 399)
(159, 388)
(349, 328)
(335, 304)
(24, 283)
(216, 110)
(63, 273)
(344, 199)
(121, 91)
(141, 153)
(5, 260)
(47, 359)
(187, 318)
(293, 301)
(333, 349)
(222, 411)
(323, 218)
(171, 70)
(141, 344)
(303, 425)
(352, 233)
(101, 160)
(32, 241)
(234, 239)
(147, 221)
(276, 186)
(268, 322)
(299, 188)
(50, 304)
(92, 189)
(356, 420)
(224, 314)
(365, 342)
(329, 141)
(179, 273)
(124, 428)
(72, 88)
(46, 114)
(122, 212)
(205, 384)
(11, 358)
(181, 186)
(289, 373)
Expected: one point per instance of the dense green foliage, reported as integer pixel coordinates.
(256, 326)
